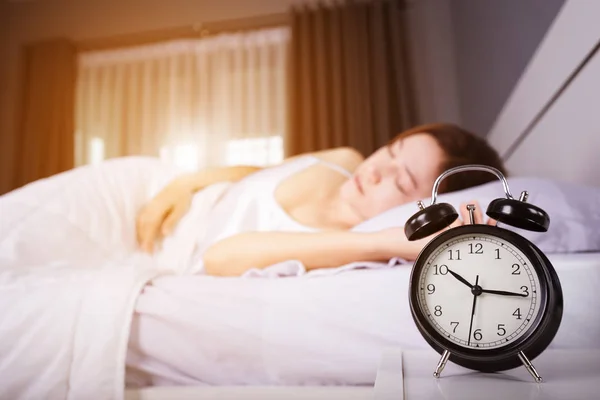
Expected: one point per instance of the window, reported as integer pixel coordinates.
(96, 150)
(256, 151)
(186, 101)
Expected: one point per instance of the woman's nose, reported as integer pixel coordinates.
(375, 175)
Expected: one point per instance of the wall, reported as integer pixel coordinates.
(432, 36)
(495, 39)
(33, 20)
(569, 129)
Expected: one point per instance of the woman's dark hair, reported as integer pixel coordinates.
(461, 148)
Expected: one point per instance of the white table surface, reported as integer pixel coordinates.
(567, 374)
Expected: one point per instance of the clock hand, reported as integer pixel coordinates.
(460, 278)
(503, 293)
(472, 312)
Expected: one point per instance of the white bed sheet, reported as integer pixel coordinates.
(329, 330)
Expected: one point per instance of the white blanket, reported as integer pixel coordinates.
(65, 329)
(70, 273)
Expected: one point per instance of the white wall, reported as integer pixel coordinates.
(565, 143)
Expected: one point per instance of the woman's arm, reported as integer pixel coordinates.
(235, 255)
(160, 215)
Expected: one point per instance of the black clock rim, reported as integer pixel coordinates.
(537, 337)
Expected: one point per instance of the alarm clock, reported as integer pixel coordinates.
(482, 296)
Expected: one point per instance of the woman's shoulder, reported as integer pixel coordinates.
(346, 157)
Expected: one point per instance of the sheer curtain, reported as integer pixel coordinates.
(202, 102)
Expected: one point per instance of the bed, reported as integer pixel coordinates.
(307, 337)
(329, 330)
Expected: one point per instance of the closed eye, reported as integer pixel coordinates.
(400, 187)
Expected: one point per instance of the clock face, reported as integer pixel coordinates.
(479, 291)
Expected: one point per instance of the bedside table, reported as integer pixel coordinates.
(567, 374)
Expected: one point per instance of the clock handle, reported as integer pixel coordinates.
(471, 167)
(515, 212)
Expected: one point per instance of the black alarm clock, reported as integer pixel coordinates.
(482, 296)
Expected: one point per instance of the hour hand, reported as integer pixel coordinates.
(503, 293)
(460, 278)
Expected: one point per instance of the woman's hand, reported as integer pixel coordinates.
(159, 216)
(478, 218)
(163, 212)
(396, 244)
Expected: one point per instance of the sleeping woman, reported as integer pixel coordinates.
(305, 208)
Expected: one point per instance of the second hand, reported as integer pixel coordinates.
(472, 312)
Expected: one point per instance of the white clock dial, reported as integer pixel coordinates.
(492, 264)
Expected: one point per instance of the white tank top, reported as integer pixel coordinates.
(250, 205)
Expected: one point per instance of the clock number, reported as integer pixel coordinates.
(457, 254)
(501, 330)
(516, 269)
(517, 313)
(437, 311)
(477, 335)
(478, 248)
(431, 288)
(443, 269)
(525, 290)
(455, 326)
(497, 254)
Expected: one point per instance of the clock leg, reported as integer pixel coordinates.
(441, 363)
(530, 367)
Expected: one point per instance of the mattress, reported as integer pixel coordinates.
(330, 330)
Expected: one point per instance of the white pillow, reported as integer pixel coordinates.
(574, 212)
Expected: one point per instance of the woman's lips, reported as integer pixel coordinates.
(358, 184)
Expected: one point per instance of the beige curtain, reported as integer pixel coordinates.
(45, 143)
(350, 82)
(195, 102)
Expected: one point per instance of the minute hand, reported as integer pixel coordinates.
(503, 293)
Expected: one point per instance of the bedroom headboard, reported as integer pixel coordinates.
(550, 125)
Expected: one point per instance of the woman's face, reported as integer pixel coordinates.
(400, 173)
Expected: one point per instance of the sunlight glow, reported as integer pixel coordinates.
(183, 156)
(263, 151)
(96, 150)
(255, 151)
